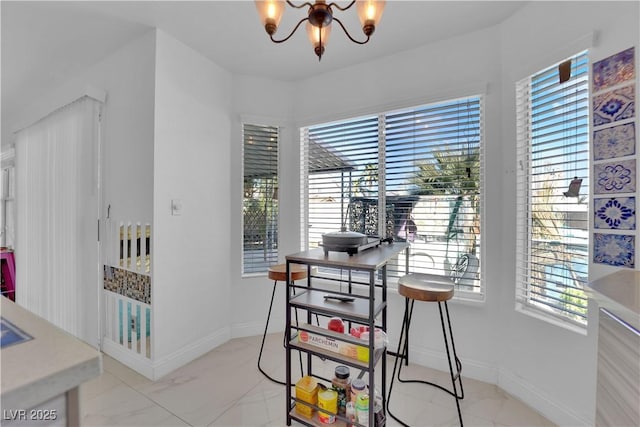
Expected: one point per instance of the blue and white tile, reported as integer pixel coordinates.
(615, 177)
(613, 70)
(614, 249)
(614, 105)
(616, 213)
(613, 142)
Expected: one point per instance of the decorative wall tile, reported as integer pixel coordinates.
(613, 70)
(614, 249)
(616, 213)
(128, 283)
(615, 177)
(617, 141)
(617, 104)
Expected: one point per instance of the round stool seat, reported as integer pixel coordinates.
(279, 272)
(425, 287)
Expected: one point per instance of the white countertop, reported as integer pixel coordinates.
(46, 366)
(619, 293)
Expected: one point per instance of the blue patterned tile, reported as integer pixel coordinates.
(614, 249)
(617, 141)
(615, 69)
(616, 213)
(615, 177)
(617, 104)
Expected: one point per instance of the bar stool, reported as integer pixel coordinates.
(429, 288)
(278, 273)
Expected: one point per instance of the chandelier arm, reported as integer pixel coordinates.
(290, 34)
(307, 4)
(349, 35)
(337, 6)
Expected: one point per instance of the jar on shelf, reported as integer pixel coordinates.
(336, 324)
(358, 385)
(341, 385)
(328, 400)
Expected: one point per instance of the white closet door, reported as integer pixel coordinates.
(57, 196)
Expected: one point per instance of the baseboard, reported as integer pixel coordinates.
(177, 359)
(505, 380)
(137, 362)
(247, 329)
(475, 369)
(536, 399)
(250, 329)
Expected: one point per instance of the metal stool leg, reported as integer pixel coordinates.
(456, 379)
(401, 353)
(284, 344)
(264, 335)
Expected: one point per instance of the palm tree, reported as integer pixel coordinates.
(548, 250)
(453, 173)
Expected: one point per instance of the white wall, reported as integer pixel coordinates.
(467, 65)
(127, 76)
(128, 130)
(559, 366)
(268, 102)
(191, 280)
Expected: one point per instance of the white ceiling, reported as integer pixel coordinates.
(42, 42)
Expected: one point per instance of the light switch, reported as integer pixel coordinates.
(176, 207)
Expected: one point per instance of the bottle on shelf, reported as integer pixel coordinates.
(362, 409)
(358, 386)
(341, 385)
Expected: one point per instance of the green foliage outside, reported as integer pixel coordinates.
(547, 237)
(455, 173)
(260, 210)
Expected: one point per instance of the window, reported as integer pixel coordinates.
(552, 216)
(412, 174)
(260, 198)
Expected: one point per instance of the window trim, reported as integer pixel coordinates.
(524, 150)
(478, 91)
(256, 121)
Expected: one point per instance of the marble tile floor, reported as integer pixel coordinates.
(225, 388)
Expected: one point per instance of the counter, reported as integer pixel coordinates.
(618, 375)
(619, 293)
(43, 371)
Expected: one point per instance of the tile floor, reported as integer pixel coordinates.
(224, 388)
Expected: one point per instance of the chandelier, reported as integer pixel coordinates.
(319, 18)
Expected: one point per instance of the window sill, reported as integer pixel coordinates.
(551, 319)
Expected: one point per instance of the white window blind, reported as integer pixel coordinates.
(552, 221)
(341, 164)
(413, 175)
(433, 180)
(260, 198)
